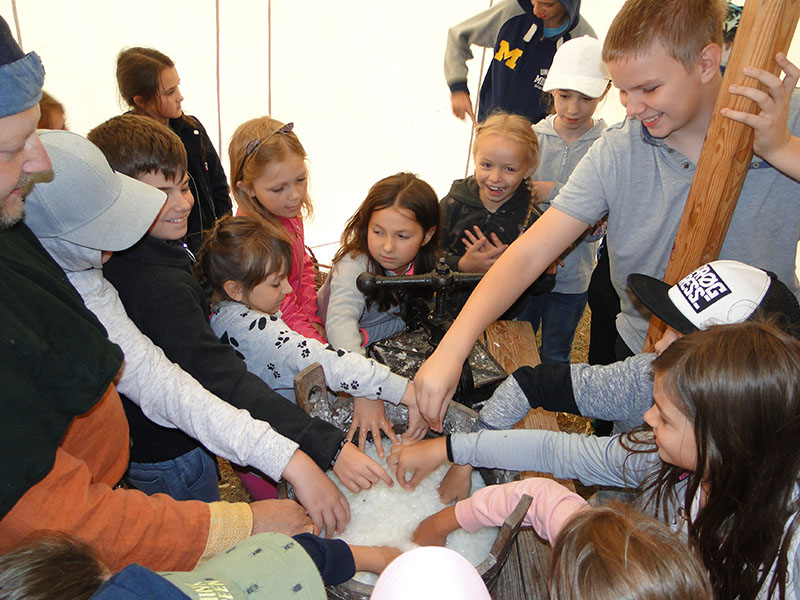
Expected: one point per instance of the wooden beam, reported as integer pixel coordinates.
(766, 28)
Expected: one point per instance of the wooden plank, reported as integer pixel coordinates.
(766, 27)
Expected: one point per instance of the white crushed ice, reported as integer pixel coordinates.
(384, 516)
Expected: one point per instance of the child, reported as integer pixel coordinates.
(393, 232)
(50, 565)
(525, 36)
(485, 212)
(162, 297)
(623, 391)
(772, 141)
(148, 82)
(482, 214)
(607, 552)
(726, 413)
(269, 179)
(577, 82)
(243, 266)
(166, 394)
(664, 57)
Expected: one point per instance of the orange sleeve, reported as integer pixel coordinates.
(126, 526)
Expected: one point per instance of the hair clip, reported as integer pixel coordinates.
(253, 145)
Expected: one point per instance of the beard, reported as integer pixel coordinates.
(12, 209)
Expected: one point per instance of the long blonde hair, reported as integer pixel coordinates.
(255, 145)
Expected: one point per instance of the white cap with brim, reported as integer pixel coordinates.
(85, 201)
(719, 292)
(578, 65)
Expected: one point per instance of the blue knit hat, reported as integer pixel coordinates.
(21, 75)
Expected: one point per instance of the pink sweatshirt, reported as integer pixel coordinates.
(552, 506)
(299, 309)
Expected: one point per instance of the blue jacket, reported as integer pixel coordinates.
(521, 58)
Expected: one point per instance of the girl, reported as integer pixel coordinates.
(393, 232)
(720, 465)
(482, 214)
(270, 181)
(243, 266)
(148, 82)
(577, 82)
(608, 552)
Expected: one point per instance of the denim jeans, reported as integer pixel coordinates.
(191, 476)
(559, 315)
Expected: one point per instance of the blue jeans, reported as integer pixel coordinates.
(191, 476)
(559, 315)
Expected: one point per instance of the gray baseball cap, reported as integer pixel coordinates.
(85, 201)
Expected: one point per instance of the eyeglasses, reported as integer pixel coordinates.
(253, 145)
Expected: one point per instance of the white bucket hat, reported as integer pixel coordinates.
(578, 66)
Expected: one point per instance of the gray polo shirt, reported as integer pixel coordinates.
(643, 184)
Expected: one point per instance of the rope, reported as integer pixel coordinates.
(475, 108)
(219, 105)
(269, 57)
(16, 22)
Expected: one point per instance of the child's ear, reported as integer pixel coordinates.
(428, 235)
(139, 101)
(244, 187)
(709, 62)
(234, 290)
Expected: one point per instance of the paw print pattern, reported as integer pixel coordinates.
(354, 385)
(232, 341)
(275, 373)
(380, 391)
(261, 323)
(344, 386)
(304, 350)
(273, 318)
(282, 339)
(244, 314)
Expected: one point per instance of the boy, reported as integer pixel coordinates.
(525, 35)
(162, 297)
(64, 440)
(664, 57)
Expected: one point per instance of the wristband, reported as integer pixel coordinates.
(339, 450)
(449, 447)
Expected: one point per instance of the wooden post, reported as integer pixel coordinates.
(766, 28)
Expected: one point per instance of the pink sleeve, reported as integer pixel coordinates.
(552, 506)
(299, 309)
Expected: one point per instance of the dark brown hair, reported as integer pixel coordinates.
(241, 249)
(682, 27)
(50, 565)
(614, 551)
(406, 191)
(740, 386)
(137, 73)
(135, 145)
